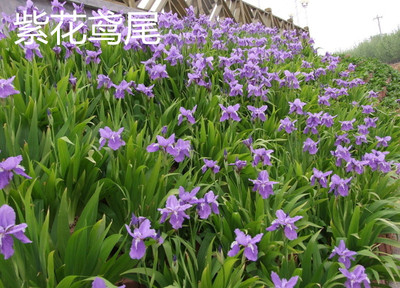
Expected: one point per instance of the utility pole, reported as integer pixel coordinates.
(379, 23)
(297, 12)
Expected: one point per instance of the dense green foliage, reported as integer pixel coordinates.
(379, 77)
(385, 48)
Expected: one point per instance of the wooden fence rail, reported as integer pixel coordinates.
(238, 10)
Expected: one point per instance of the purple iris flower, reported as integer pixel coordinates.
(310, 146)
(372, 94)
(278, 283)
(351, 67)
(312, 122)
(360, 139)
(356, 277)
(290, 80)
(180, 150)
(207, 204)
(347, 125)
(263, 185)
(319, 72)
(344, 74)
(148, 91)
(93, 56)
(235, 88)
(327, 120)
(200, 62)
(69, 49)
(248, 142)
(331, 92)
(342, 153)
(31, 50)
(287, 222)
(370, 122)
(198, 78)
(29, 9)
(100, 283)
(133, 44)
(258, 112)
(72, 80)
(188, 197)
(114, 138)
(7, 88)
(383, 141)
(210, 164)
(158, 71)
(163, 143)
(384, 166)
(324, 100)
(363, 129)
(9, 20)
(104, 81)
(367, 109)
(345, 255)
(121, 88)
(356, 82)
(250, 70)
(257, 90)
(140, 232)
(229, 112)
(296, 106)
(397, 165)
(262, 155)
(305, 64)
(7, 167)
(229, 76)
(356, 166)
(321, 177)
(339, 185)
(239, 164)
(8, 228)
(174, 55)
(376, 160)
(288, 125)
(56, 7)
(164, 129)
(80, 9)
(176, 210)
(188, 114)
(308, 76)
(342, 138)
(249, 243)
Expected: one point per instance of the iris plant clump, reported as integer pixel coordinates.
(141, 231)
(9, 230)
(286, 222)
(7, 169)
(344, 254)
(284, 283)
(249, 244)
(111, 137)
(7, 88)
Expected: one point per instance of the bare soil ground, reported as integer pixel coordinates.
(396, 66)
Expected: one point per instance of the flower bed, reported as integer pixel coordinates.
(223, 156)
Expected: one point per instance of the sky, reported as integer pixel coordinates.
(337, 25)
